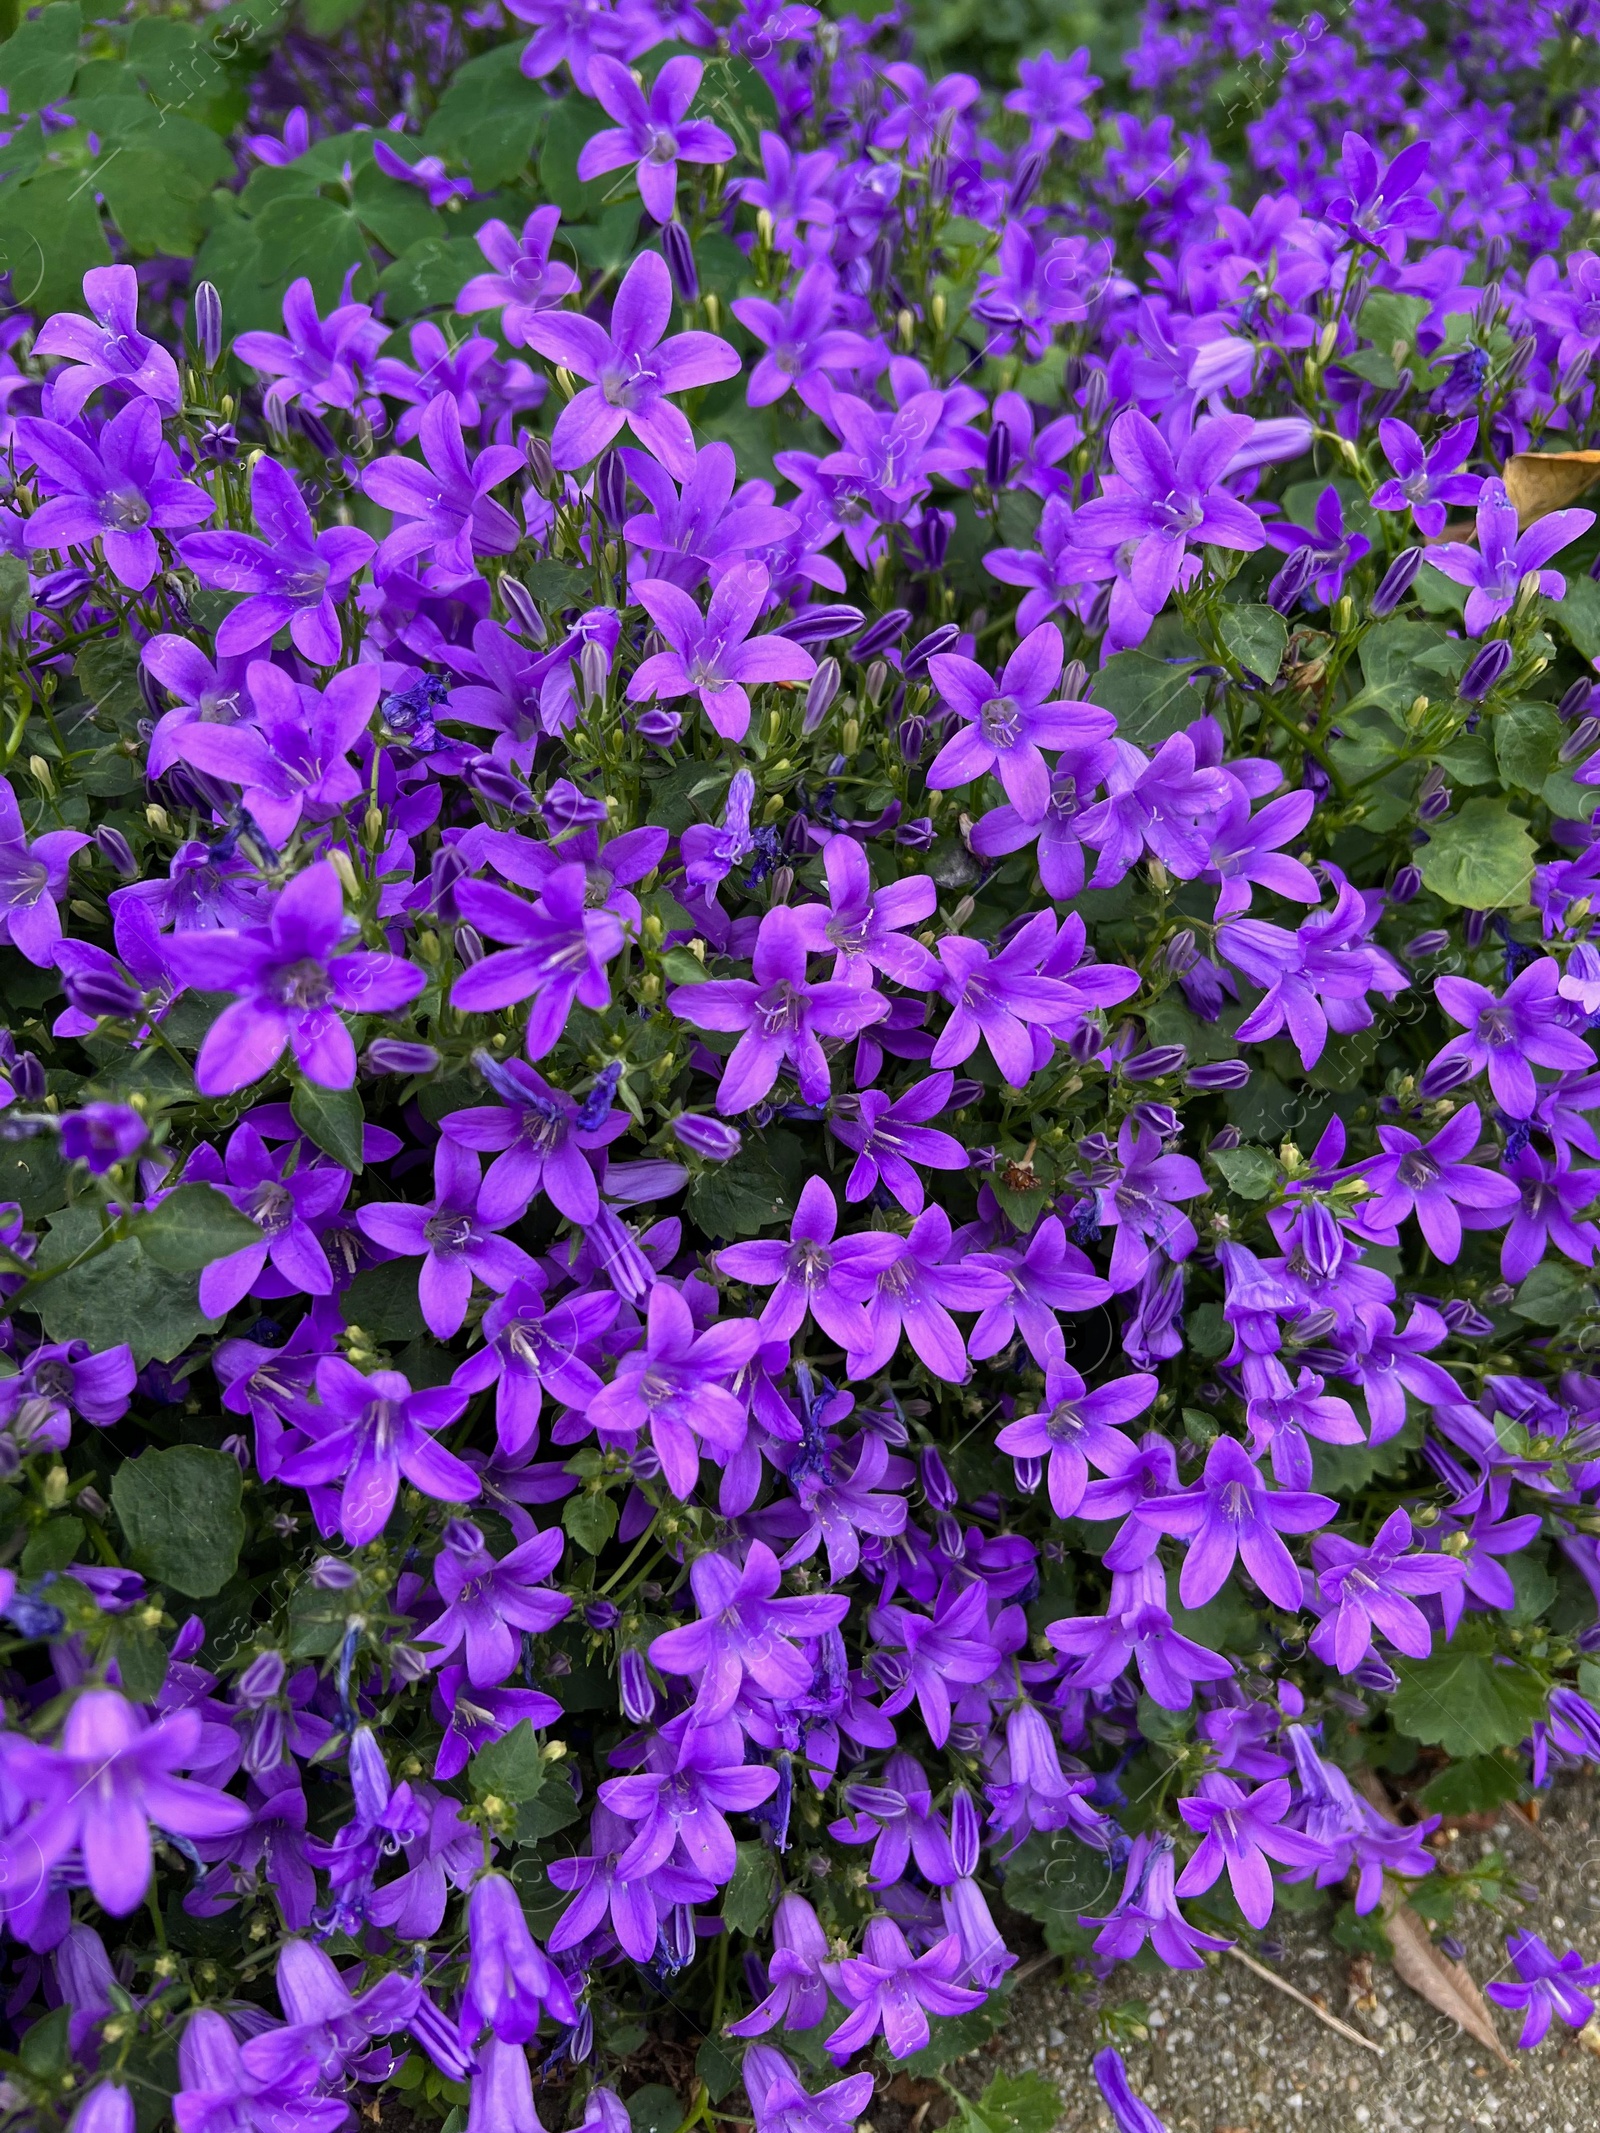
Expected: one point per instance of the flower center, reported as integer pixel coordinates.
(125, 511)
(302, 984)
(1418, 1171)
(1000, 722)
(448, 1233)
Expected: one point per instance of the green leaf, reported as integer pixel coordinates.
(739, 1199)
(591, 1520)
(573, 122)
(180, 1512)
(50, 236)
(333, 1118)
(511, 1768)
(1013, 2103)
(119, 1295)
(748, 1899)
(326, 18)
(1527, 738)
(398, 215)
(1578, 613)
(1251, 1172)
(1387, 317)
(172, 63)
(716, 2066)
(51, 1547)
(152, 198)
(1467, 1702)
(1151, 700)
(1256, 635)
(1535, 1587)
(38, 62)
(14, 593)
(1474, 1787)
(429, 276)
(491, 117)
(1482, 857)
(551, 1808)
(311, 236)
(107, 671)
(1390, 662)
(191, 1227)
(1553, 1294)
(382, 1301)
(140, 1655)
(1209, 1332)
(654, 2109)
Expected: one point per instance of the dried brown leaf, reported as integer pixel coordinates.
(1541, 482)
(1449, 1987)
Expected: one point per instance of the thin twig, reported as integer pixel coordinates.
(1526, 1823)
(1271, 1977)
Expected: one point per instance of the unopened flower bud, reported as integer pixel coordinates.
(820, 694)
(1396, 582)
(115, 849)
(709, 1138)
(1406, 885)
(1151, 1065)
(889, 628)
(518, 604)
(638, 1692)
(611, 488)
(1487, 667)
(679, 255)
(208, 324)
(399, 1055)
(1219, 1074)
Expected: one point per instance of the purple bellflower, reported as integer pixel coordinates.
(455, 1237)
(292, 979)
(107, 348)
(746, 1629)
(1008, 721)
(1495, 569)
(713, 656)
(292, 576)
(1229, 1513)
(655, 135)
(369, 1431)
(120, 490)
(629, 375)
(1425, 478)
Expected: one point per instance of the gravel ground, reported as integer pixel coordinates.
(1230, 2054)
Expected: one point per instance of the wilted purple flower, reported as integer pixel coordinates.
(1148, 1909)
(293, 978)
(1129, 2114)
